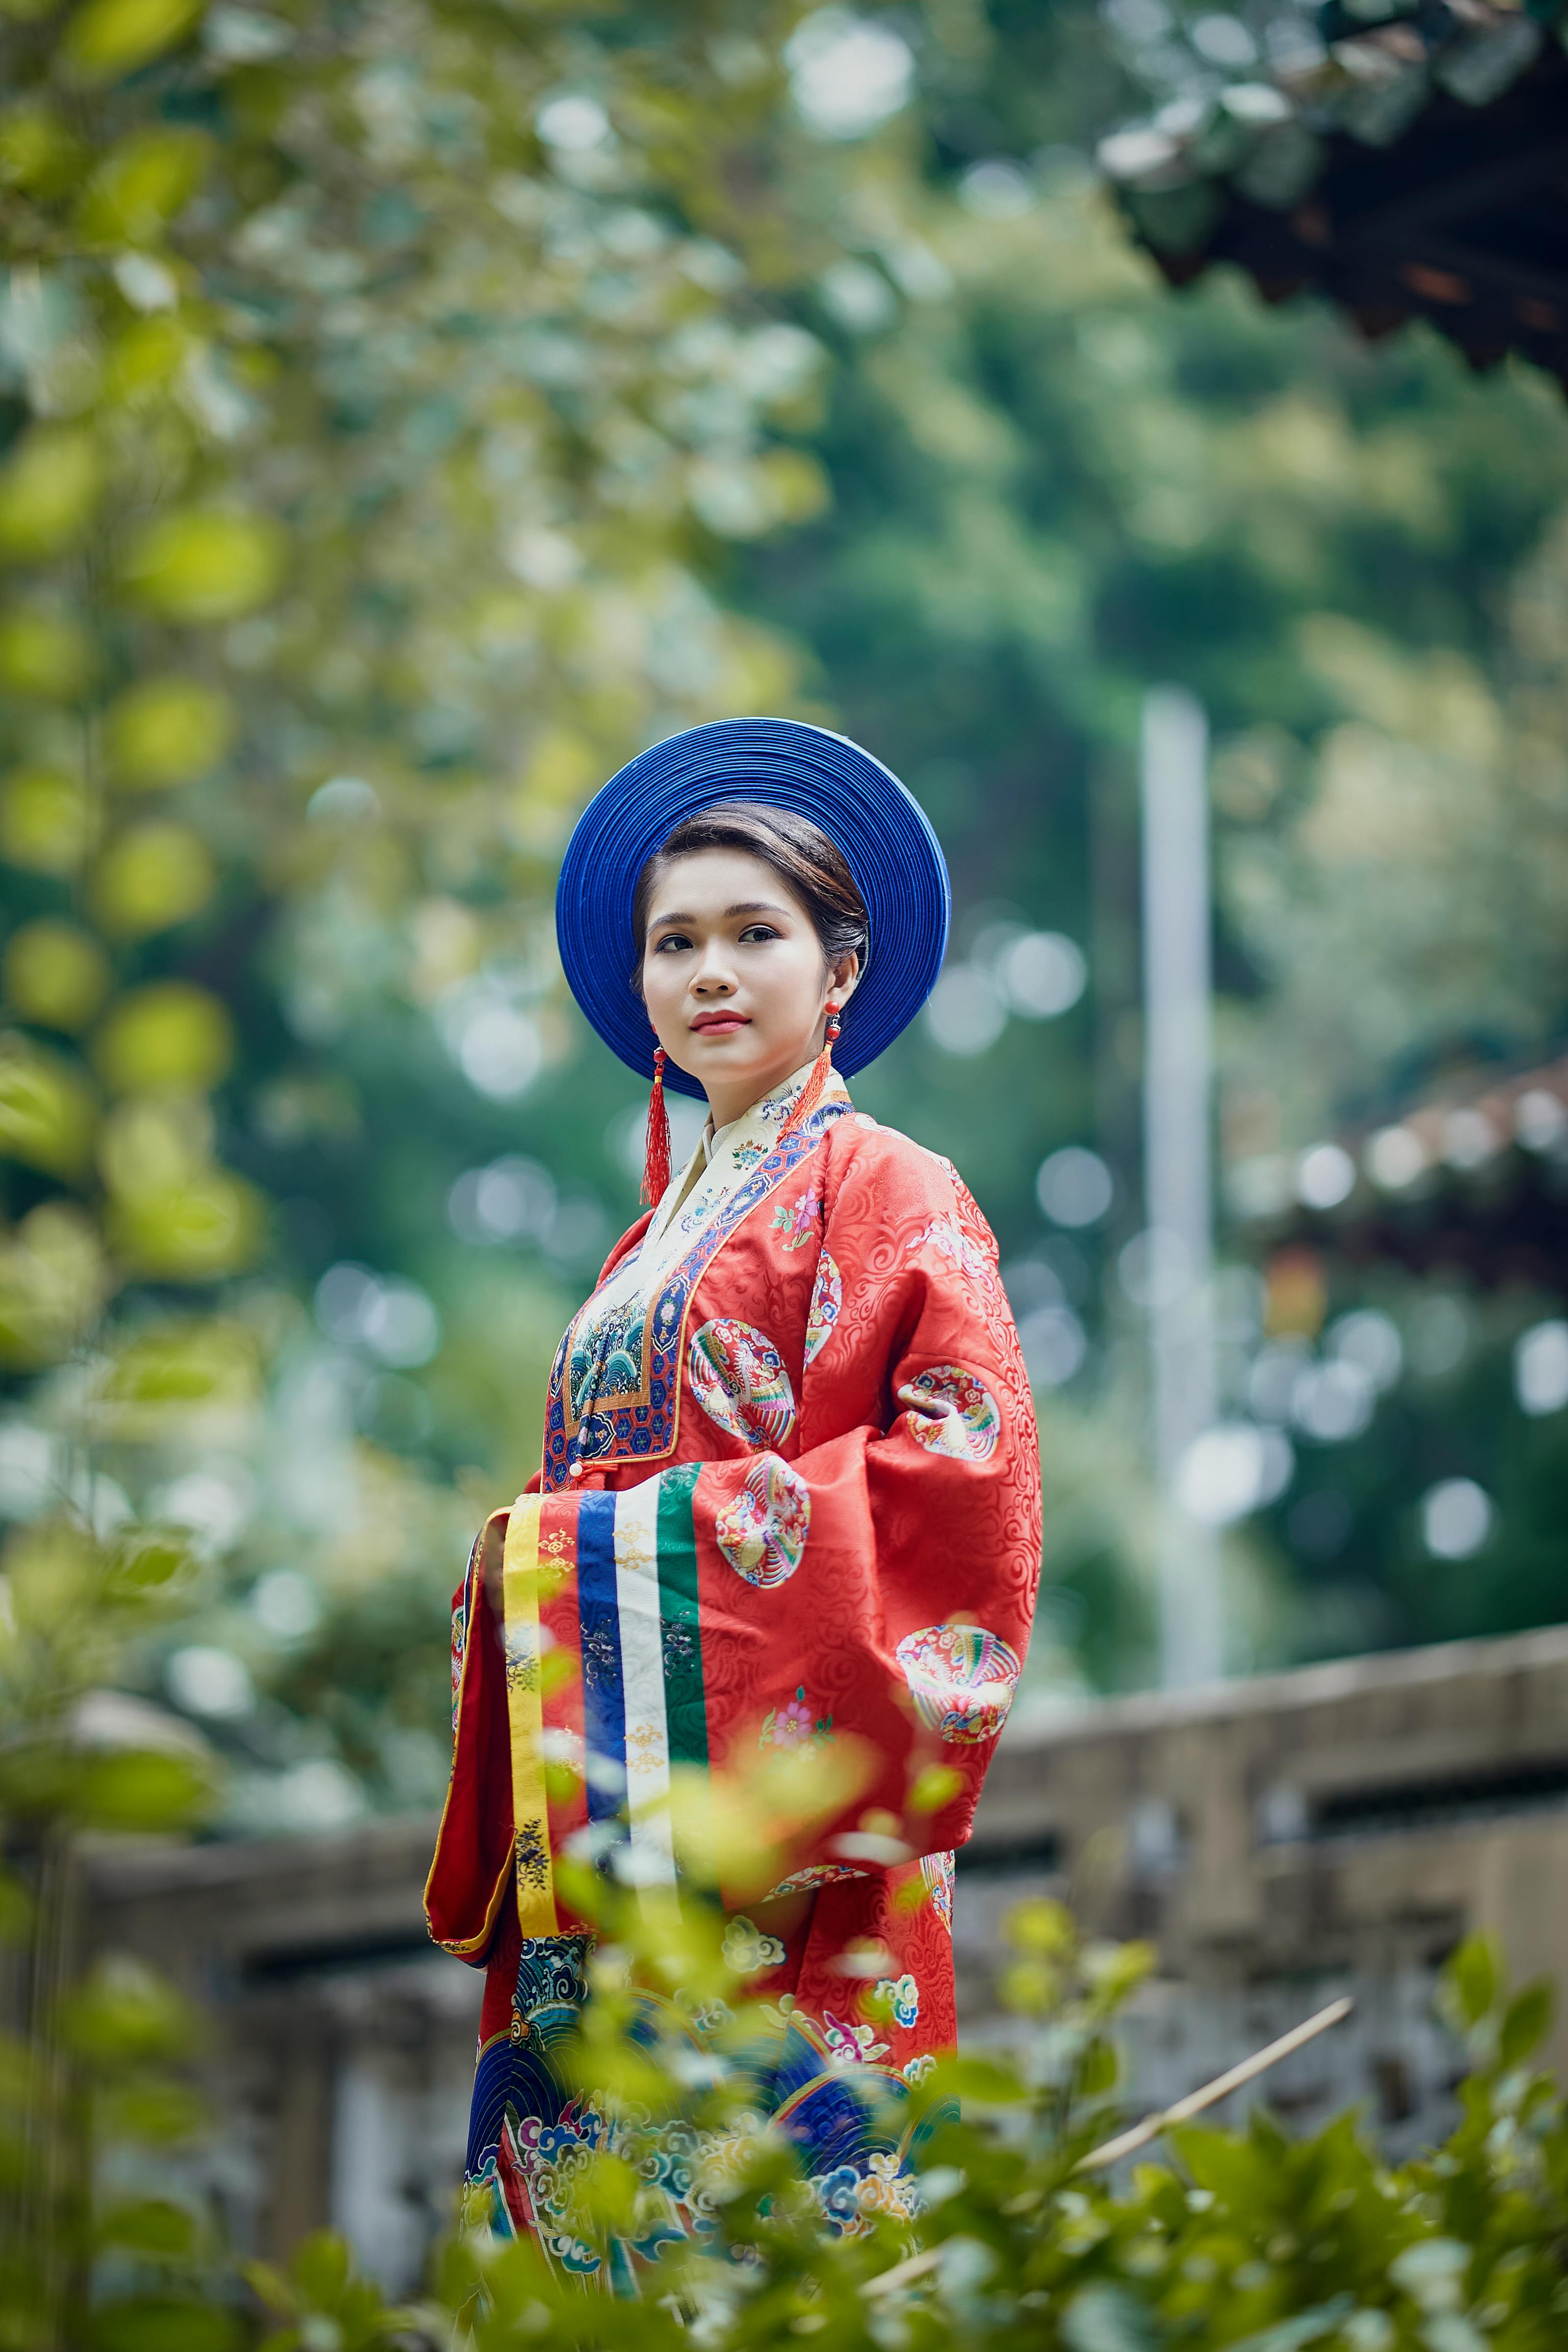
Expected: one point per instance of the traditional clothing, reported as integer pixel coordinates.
(787, 1530)
(790, 1495)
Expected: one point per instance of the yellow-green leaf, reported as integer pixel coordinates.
(143, 1791)
(161, 1377)
(151, 877)
(46, 1109)
(165, 2324)
(52, 1286)
(171, 1037)
(206, 563)
(36, 151)
(48, 488)
(109, 38)
(143, 359)
(150, 2225)
(167, 730)
(122, 2012)
(214, 1224)
(55, 973)
(46, 821)
(43, 655)
(142, 185)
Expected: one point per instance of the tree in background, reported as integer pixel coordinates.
(401, 408)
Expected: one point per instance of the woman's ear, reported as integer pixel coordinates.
(846, 977)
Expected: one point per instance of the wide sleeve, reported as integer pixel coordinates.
(471, 1868)
(877, 1589)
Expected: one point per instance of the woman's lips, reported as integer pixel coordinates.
(719, 1024)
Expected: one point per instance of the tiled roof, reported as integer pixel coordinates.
(1408, 164)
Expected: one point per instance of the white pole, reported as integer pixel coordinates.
(1178, 1176)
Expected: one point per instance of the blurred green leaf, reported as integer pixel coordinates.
(46, 1109)
(37, 153)
(204, 564)
(162, 2324)
(44, 653)
(168, 1038)
(54, 973)
(46, 823)
(980, 2080)
(142, 185)
(48, 489)
(122, 2014)
(1473, 1973)
(143, 360)
(154, 1380)
(153, 2112)
(142, 1792)
(320, 2270)
(150, 2225)
(1526, 2022)
(147, 1560)
(214, 1225)
(151, 877)
(167, 730)
(53, 1283)
(107, 39)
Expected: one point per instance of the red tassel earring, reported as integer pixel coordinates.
(821, 1071)
(655, 1154)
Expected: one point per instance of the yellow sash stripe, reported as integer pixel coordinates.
(525, 1718)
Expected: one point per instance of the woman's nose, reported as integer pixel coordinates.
(711, 978)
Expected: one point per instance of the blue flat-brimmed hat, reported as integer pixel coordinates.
(881, 827)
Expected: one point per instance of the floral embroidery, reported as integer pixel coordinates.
(951, 1411)
(533, 1853)
(798, 1226)
(739, 1378)
(794, 1725)
(748, 1951)
(761, 1530)
(915, 2070)
(746, 1155)
(937, 1870)
(846, 2196)
(947, 1236)
(814, 1873)
(851, 2045)
(459, 1642)
(709, 2016)
(962, 1679)
(827, 1303)
(521, 1660)
(897, 1998)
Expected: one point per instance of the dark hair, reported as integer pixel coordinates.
(803, 856)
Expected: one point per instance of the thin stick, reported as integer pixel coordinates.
(1113, 2151)
(915, 2266)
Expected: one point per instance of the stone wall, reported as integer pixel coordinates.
(1281, 1841)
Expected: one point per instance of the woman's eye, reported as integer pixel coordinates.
(672, 940)
(757, 931)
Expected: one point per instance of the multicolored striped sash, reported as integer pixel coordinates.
(604, 1670)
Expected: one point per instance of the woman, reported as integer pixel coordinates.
(786, 1533)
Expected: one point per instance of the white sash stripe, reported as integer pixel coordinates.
(642, 1683)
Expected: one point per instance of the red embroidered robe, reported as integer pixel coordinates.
(790, 1498)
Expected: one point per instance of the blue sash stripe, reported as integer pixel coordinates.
(603, 1695)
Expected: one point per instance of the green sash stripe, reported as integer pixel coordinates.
(686, 1711)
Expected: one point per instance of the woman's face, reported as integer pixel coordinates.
(733, 976)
